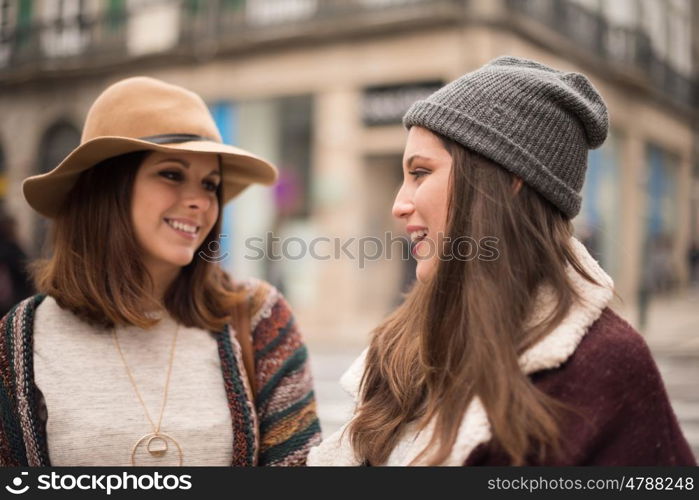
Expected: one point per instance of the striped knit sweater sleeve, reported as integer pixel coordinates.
(22, 440)
(285, 400)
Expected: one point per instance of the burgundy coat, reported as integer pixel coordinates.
(625, 417)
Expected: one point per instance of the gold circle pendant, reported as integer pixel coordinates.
(157, 446)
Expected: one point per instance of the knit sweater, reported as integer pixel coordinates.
(103, 406)
(277, 429)
(595, 362)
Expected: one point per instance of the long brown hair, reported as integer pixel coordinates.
(460, 335)
(96, 270)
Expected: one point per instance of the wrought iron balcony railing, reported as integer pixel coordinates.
(199, 28)
(619, 45)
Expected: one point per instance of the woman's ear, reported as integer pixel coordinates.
(517, 184)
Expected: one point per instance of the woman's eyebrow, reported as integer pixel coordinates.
(185, 164)
(410, 160)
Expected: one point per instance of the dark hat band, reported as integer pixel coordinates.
(175, 138)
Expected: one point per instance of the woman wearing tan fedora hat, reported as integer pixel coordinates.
(137, 350)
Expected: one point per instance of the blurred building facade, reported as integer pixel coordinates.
(319, 87)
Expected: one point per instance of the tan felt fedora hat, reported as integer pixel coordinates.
(143, 113)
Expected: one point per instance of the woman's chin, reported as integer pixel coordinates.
(180, 259)
(424, 270)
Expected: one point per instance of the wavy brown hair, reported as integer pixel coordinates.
(95, 268)
(460, 335)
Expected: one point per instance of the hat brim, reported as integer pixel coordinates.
(46, 193)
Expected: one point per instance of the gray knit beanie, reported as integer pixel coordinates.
(535, 121)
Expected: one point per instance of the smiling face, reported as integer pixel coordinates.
(422, 201)
(174, 208)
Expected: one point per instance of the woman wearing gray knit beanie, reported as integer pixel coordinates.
(506, 350)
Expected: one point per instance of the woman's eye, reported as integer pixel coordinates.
(211, 186)
(417, 173)
(172, 175)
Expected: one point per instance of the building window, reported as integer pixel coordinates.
(654, 22)
(622, 17)
(8, 14)
(659, 272)
(293, 191)
(64, 30)
(115, 14)
(279, 130)
(143, 15)
(597, 225)
(679, 36)
(271, 12)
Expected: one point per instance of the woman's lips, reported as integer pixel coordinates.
(184, 234)
(414, 247)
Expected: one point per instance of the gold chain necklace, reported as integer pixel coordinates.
(157, 440)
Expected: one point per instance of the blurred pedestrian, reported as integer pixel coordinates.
(514, 357)
(693, 257)
(132, 296)
(15, 284)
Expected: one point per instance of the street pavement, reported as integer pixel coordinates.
(328, 363)
(672, 334)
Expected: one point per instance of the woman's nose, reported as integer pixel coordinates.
(197, 198)
(402, 205)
